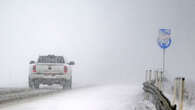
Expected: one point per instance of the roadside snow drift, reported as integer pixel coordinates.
(97, 97)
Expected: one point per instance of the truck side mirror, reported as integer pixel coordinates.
(71, 63)
(32, 62)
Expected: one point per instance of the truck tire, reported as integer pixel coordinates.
(30, 84)
(36, 84)
(70, 83)
(67, 84)
(64, 84)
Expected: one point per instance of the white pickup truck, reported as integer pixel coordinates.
(50, 70)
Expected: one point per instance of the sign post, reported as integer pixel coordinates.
(164, 41)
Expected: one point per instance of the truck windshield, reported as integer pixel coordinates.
(51, 59)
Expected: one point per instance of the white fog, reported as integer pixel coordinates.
(113, 39)
(109, 40)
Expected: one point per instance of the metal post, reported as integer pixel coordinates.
(163, 61)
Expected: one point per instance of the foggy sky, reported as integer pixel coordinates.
(108, 39)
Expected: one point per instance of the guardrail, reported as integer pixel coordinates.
(159, 99)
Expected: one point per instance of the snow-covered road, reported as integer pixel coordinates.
(94, 97)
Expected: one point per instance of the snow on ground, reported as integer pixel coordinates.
(93, 97)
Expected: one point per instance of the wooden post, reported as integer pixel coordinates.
(174, 90)
(146, 97)
(161, 75)
(156, 77)
(146, 75)
(160, 80)
(150, 75)
(181, 93)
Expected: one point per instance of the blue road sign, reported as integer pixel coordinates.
(164, 39)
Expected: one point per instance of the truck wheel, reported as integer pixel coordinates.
(70, 83)
(30, 84)
(65, 84)
(36, 84)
